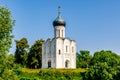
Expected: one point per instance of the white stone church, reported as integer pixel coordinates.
(59, 52)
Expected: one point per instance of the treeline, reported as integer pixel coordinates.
(104, 65)
(27, 56)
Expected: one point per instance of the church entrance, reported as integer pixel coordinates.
(49, 64)
(67, 64)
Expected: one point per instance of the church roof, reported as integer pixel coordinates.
(59, 21)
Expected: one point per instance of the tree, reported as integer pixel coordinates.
(6, 25)
(104, 66)
(111, 58)
(35, 55)
(100, 71)
(83, 59)
(21, 52)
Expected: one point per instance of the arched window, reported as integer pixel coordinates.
(66, 48)
(66, 63)
(72, 49)
(59, 33)
(59, 51)
(62, 33)
(49, 64)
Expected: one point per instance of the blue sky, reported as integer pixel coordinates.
(94, 24)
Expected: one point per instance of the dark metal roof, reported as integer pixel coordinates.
(59, 22)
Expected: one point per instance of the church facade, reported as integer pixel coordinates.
(59, 52)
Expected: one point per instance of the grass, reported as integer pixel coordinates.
(54, 70)
(52, 74)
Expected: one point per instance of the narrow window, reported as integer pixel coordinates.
(62, 33)
(72, 49)
(66, 48)
(59, 51)
(59, 33)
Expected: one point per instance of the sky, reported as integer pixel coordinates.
(93, 24)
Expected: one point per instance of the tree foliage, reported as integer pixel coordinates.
(83, 59)
(21, 51)
(6, 24)
(6, 61)
(111, 58)
(35, 55)
(100, 71)
(105, 65)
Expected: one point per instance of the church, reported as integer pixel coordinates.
(59, 52)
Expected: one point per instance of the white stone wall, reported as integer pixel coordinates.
(49, 53)
(54, 50)
(65, 54)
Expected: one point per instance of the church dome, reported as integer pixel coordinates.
(59, 22)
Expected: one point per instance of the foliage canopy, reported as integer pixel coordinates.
(6, 61)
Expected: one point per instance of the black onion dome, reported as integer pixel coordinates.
(59, 22)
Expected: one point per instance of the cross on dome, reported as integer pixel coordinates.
(58, 10)
(59, 21)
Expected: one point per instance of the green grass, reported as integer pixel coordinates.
(51, 74)
(54, 70)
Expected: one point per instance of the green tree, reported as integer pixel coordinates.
(104, 66)
(111, 58)
(21, 52)
(100, 71)
(9, 71)
(6, 25)
(10, 61)
(35, 55)
(83, 59)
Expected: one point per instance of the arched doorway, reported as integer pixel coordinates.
(49, 64)
(67, 64)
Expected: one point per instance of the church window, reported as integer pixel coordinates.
(66, 48)
(49, 64)
(62, 33)
(59, 51)
(59, 33)
(72, 49)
